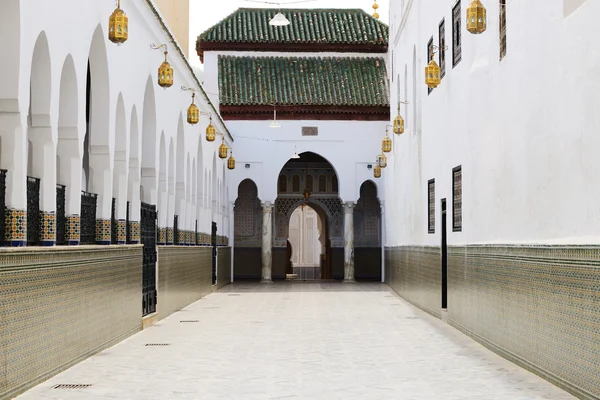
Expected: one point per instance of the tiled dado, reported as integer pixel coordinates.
(44, 318)
(134, 232)
(103, 232)
(48, 228)
(162, 236)
(538, 306)
(184, 276)
(169, 236)
(414, 272)
(73, 233)
(181, 237)
(122, 231)
(15, 227)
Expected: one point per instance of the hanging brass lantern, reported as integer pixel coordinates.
(165, 72)
(432, 73)
(118, 26)
(382, 160)
(211, 132)
(223, 150)
(193, 113)
(386, 144)
(231, 162)
(375, 7)
(476, 18)
(377, 171)
(398, 123)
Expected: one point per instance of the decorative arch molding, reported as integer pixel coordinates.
(367, 217)
(247, 215)
(333, 208)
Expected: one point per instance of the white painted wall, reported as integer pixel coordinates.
(130, 67)
(524, 128)
(350, 146)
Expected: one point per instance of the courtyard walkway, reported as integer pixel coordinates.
(299, 341)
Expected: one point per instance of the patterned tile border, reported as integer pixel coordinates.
(162, 236)
(103, 231)
(73, 234)
(122, 231)
(169, 236)
(181, 237)
(134, 232)
(47, 228)
(15, 227)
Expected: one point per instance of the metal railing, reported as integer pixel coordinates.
(88, 217)
(61, 218)
(33, 211)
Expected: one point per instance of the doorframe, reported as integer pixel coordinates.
(444, 251)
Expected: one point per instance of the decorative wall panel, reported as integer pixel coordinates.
(184, 276)
(538, 306)
(248, 216)
(61, 305)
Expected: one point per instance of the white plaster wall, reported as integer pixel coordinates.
(350, 146)
(129, 68)
(524, 128)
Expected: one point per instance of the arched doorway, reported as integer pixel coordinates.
(247, 231)
(309, 180)
(307, 244)
(367, 234)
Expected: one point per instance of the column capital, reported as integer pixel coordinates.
(349, 206)
(267, 207)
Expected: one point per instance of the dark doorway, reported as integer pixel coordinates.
(444, 258)
(148, 236)
(213, 241)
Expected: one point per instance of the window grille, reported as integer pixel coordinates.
(441, 44)
(456, 34)
(431, 206)
(457, 199)
(502, 29)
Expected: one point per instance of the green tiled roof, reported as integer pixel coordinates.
(308, 26)
(310, 81)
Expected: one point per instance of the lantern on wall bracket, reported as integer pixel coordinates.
(231, 161)
(433, 72)
(377, 171)
(399, 121)
(382, 160)
(476, 18)
(223, 149)
(211, 132)
(165, 72)
(118, 26)
(386, 144)
(193, 113)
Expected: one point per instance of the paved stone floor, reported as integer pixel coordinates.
(299, 341)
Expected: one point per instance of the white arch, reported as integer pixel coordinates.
(10, 62)
(133, 194)
(149, 144)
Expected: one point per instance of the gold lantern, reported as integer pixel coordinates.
(476, 18)
(377, 171)
(399, 121)
(165, 72)
(382, 160)
(231, 162)
(193, 113)
(386, 144)
(432, 73)
(118, 26)
(375, 7)
(223, 150)
(211, 132)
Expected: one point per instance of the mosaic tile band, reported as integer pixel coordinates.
(162, 236)
(538, 306)
(103, 232)
(15, 227)
(42, 308)
(73, 230)
(169, 236)
(181, 238)
(121, 231)
(134, 231)
(48, 228)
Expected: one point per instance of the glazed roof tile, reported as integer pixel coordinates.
(309, 81)
(308, 26)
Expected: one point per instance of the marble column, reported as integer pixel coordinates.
(349, 242)
(267, 240)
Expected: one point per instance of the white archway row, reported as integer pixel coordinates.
(89, 116)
